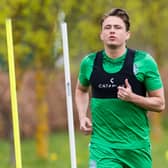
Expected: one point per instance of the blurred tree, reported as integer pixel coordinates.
(148, 33)
(156, 34)
(151, 31)
(34, 24)
(42, 111)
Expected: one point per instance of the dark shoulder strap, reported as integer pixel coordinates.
(98, 59)
(129, 60)
(99, 55)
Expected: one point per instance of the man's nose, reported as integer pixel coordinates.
(112, 30)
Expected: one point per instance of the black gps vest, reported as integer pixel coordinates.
(104, 84)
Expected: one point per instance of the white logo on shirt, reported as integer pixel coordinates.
(110, 84)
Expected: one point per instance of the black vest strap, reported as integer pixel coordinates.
(104, 84)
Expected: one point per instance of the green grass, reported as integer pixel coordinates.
(59, 155)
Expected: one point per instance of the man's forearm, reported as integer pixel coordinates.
(155, 100)
(82, 102)
(149, 103)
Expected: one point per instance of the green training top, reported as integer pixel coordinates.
(117, 123)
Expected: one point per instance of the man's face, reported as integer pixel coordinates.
(114, 32)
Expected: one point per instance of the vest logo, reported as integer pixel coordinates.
(110, 84)
(112, 80)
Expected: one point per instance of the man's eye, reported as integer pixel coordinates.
(107, 27)
(118, 27)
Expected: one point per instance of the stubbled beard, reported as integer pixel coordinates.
(112, 46)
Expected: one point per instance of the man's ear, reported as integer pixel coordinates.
(101, 36)
(128, 35)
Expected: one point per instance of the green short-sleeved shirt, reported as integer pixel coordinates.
(117, 123)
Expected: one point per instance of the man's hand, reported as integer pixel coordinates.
(124, 93)
(86, 125)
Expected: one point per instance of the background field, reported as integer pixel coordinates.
(59, 152)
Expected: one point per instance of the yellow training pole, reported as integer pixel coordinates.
(13, 93)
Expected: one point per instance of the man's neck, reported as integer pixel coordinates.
(115, 52)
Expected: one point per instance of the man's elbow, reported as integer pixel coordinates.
(161, 107)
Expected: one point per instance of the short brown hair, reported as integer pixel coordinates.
(121, 13)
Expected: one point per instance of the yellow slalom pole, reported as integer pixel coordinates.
(13, 93)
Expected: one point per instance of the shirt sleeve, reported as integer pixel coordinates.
(86, 68)
(153, 79)
(83, 73)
